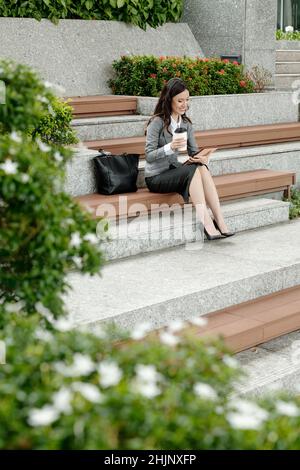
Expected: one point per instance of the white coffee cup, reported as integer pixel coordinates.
(181, 133)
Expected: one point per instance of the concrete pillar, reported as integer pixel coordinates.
(245, 27)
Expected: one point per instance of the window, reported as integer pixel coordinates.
(288, 14)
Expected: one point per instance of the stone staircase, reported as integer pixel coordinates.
(287, 67)
(165, 269)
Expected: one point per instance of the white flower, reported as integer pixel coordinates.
(62, 400)
(43, 416)
(247, 415)
(14, 307)
(147, 389)
(82, 365)
(92, 238)
(24, 178)
(230, 361)
(77, 261)
(9, 167)
(246, 407)
(243, 421)
(287, 408)
(44, 311)
(89, 391)
(15, 137)
(211, 350)
(42, 146)
(63, 324)
(51, 110)
(58, 157)
(75, 240)
(198, 321)
(42, 99)
(168, 339)
(205, 391)
(110, 373)
(141, 330)
(176, 325)
(147, 373)
(43, 335)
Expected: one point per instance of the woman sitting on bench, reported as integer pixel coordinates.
(165, 174)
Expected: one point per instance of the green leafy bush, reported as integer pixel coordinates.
(77, 390)
(43, 232)
(291, 36)
(32, 107)
(294, 203)
(56, 127)
(146, 75)
(137, 12)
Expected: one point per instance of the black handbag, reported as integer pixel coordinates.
(116, 174)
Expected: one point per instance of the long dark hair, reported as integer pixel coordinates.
(163, 108)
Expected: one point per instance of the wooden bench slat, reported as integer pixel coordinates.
(92, 106)
(221, 138)
(230, 186)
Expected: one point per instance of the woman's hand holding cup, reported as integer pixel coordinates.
(179, 141)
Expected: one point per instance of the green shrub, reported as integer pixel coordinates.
(137, 12)
(294, 203)
(56, 127)
(43, 232)
(146, 75)
(31, 106)
(77, 390)
(292, 36)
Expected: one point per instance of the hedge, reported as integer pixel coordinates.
(146, 75)
(138, 12)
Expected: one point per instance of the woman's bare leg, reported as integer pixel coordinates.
(196, 191)
(212, 198)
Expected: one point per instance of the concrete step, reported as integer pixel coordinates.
(272, 367)
(288, 68)
(110, 127)
(284, 156)
(142, 234)
(177, 283)
(287, 55)
(286, 81)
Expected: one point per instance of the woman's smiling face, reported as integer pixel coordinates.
(180, 102)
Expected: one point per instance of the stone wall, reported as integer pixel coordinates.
(245, 27)
(78, 54)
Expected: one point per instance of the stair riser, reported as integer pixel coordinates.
(110, 130)
(288, 68)
(81, 180)
(288, 56)
(151, 236)
(286, 82)
(209, 300)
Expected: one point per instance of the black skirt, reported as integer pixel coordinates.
(174, 180)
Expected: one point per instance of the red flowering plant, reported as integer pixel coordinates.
(146, 75)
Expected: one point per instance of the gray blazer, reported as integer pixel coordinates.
(157, 136)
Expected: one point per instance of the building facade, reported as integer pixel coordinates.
(288, 14)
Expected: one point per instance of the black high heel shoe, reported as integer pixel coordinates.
(225, 234)
(211, 237)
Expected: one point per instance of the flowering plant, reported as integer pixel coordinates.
(43, 232)
(165, 390)
(146, 75)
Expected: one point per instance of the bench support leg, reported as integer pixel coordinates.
(287, 193)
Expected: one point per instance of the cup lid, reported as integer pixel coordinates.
(180, 130)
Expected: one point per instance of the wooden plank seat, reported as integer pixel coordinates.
(98, 105)
(256, 321)
(229, 186)
(220, 138)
